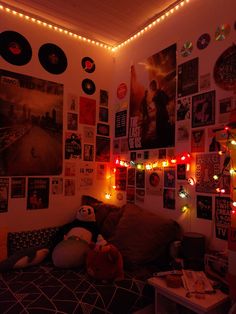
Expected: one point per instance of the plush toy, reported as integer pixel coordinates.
(72, 250)
(104, 261)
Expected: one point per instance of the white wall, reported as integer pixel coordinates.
(186, 24)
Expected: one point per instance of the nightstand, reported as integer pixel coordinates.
(217, 303)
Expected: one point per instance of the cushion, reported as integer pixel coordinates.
(3, 243)
(24, 258)
(142, 236)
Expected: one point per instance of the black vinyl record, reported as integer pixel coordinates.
(88, 86)
(88, 64)
(15, 48)
(203, 41)
(52, 58)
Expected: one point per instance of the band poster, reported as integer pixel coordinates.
(152, 101)
(222, 217)
(31, 125)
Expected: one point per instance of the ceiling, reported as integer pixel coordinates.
(108, 21)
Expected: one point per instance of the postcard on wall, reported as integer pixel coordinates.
(130, 194)
(207, 165)
(203, 109)
(222, 217)
(69, 187)
(70, 169)
(38, 193)
(147, 123)
(103, 114)
(204, 207)
(88, 134)
(120, 123)
(88, 152)
(169, 177)
(154, 182)
(103, 98)
(87, 111)
(140, 195)
(198, 141)
(18, 186)
(103, 129)
(72, 102)
(4, 190)
(227, 109)
(183, 108)
(73, 148)
(34, 100)
(140, 179)
(57, 186)
(169, 198)
(86, 175)
(72, 121)
(102, 149)
(120, 178)
(188, 78)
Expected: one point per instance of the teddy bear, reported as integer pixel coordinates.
(104, 262)
(71, 251)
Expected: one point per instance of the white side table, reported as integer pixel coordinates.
(214, 303)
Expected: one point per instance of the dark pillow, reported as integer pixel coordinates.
(142, 236)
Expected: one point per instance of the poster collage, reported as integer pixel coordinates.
(158, 121)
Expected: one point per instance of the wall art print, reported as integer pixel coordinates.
(188, 78)
(38, 193)
(222, 217)
(203, 109)
(152, 101)
(30, 125)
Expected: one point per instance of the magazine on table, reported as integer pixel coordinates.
(196, 280)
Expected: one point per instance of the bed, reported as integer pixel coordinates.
(43, 288)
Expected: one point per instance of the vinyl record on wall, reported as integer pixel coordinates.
(15, 48)
(203, 41)
(52, 58)
(88, 86)
(88, 64)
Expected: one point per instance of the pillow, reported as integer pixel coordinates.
(142, 236)
(24, 258)
(3, 243)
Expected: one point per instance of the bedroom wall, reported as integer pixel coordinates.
(187, 24)
(61, 208)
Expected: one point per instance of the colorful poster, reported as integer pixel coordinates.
(222, 217)
(87, 111)
(57, 186)
(203, 109)
(18, 187)
(73, 148)
(38, 193)
(207, 165)
(204, 207)
(30, 125)
(4, 190)
(169, 177)
(120, 123)
(152, 101)
(120, 178)
(102, 149)
(188, 78)
(169, 198)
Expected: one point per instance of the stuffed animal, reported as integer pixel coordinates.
(72, 250)
(104, 261)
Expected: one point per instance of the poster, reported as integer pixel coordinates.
(120, 123)
(103, 114)
(130, 194)
(102, 149)
(183, 108)
(70, 169)
(86, 175)
(103, 101)
(30, 125)
(188, 78)
(88, 152)
(169, 177)
(72, 102)
(120, 178)
(73, 148)
(207, 165)
(198, 141)
(227, 108)
(72, 121)
(38, 193)
(152, 101)
(18, 187)
(131, 176)
(154, 182)
(204, 207)
(57, 186)
(103, 129)
(69, 187)
(4, 190)
(87, 111)
(101, 171)
(203, 109)
(222, 217)
(169, 198)
(140, 179)
(89, 134)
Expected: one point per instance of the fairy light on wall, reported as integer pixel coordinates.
(162, 16)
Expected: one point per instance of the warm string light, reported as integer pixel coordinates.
(160, 18)
(156, 164)
(110, 186)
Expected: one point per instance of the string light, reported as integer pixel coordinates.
(161, 17)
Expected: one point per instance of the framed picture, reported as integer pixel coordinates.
(203, 109)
